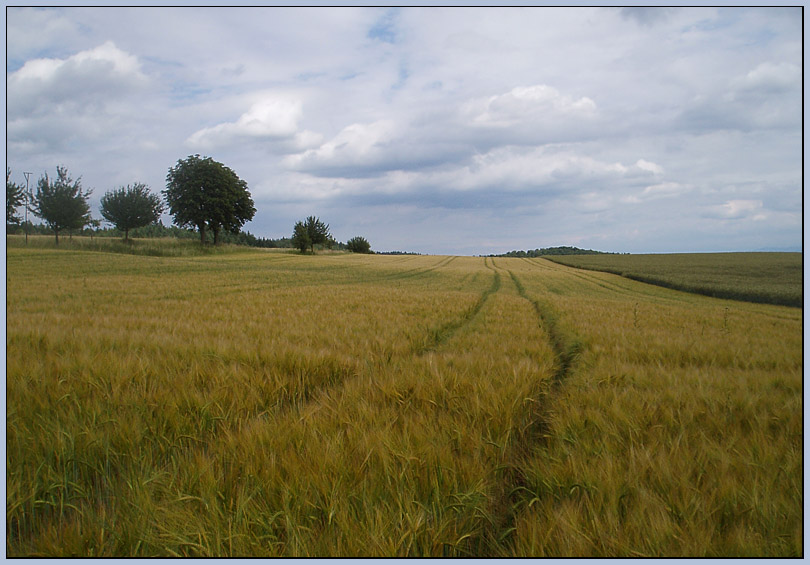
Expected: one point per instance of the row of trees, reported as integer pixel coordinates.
(201, 194)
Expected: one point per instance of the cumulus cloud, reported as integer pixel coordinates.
(769, 77)
(271, 119)
(659, 190)
(648, 119)
(645, 165)
(94, 75)
(525, 104)
(53, 103)
(735, 209)
(512, 168)
(355, 146)
(502, 178)
(523, 116)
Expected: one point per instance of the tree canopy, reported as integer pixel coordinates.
(14, 199)
(61, 203)
(358, 245)
(309, 233)
(300, 237)
(131, 207)
(205, 194)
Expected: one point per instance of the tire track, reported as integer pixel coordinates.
(313, 378)
(444, 332)
(510, 498)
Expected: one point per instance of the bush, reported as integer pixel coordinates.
(358, 245)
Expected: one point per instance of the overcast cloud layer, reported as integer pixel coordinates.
(458, 130)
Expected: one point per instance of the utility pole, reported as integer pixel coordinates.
(27, 199)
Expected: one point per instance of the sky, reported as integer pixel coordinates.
(434, 130)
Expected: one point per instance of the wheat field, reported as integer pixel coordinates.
(272, 404)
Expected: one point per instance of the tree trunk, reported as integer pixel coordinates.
(126, 234)
(56, 232)
(216, 236)
(202, 234)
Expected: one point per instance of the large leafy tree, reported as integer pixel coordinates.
(131, 207)
(61, 202)
(14, 198)
(207, 195)
(309, 233)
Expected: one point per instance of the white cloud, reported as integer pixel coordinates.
(57, 103)
(533, 104)
(770, 77)
(736, 209)
(357, 145)
(88, 75)
(272, 118)
(650, 166)
(512, 169)
(484, 120)
(665, 189)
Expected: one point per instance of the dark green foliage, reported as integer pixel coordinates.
(14, 199)
(61, 203)
(358, 245)
(158, 230)
(300, 237)
(205, 194)
(247, 238)
(318, 232)
(563, 250)
(309, 233)
(131, 207)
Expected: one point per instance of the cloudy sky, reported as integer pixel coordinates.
(457, 130)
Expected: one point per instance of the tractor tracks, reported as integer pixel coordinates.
(510, 497)
(565, 345)
(437, 336)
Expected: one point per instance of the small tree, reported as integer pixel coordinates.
(131, 207)
(61, 203)
(317, 231)
(93, 225)
(358, 245)
(14, 198)
(205, 194)
(300, 237)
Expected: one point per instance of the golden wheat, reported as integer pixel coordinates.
(269, 404)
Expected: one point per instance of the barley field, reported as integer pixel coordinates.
(770, 278)
(258, 403)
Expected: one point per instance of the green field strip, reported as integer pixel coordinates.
(768, 278)
(613, 288)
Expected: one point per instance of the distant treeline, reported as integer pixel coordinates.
(564, 250)
(160, 230)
